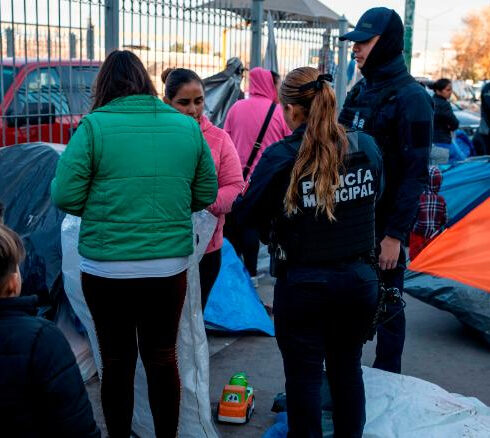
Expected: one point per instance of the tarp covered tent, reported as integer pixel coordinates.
(233, 304)
(453, 271)
(26, 172)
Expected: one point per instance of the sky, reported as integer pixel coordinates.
(440, 29)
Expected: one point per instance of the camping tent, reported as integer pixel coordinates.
(452, 272)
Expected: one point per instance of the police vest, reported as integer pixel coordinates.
(312, 239)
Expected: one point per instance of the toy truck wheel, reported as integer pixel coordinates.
(250, 410)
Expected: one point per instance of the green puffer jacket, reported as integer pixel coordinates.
(135, 170)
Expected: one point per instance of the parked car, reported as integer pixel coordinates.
(43, 100)
(468, 120)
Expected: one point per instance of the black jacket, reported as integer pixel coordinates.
(41, 389)
(444, 120)
(262, 205)
(393, 108)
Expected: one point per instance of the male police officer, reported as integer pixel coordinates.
(392, 107)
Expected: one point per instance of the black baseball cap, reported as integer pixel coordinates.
(373, 22)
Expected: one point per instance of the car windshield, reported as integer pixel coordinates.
(8, 74)
(77, 82)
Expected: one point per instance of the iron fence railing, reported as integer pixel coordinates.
(50, 51)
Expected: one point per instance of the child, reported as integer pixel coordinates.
(432, 214)
(41, 389)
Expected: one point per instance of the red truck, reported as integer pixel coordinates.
(43, 100)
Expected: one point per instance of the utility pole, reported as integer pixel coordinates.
(409, 20)
(427, 23)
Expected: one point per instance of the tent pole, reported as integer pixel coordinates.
(257, 20)
(341, 76)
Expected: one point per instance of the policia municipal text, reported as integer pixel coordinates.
(312, 197)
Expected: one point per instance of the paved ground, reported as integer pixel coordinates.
(438, 349)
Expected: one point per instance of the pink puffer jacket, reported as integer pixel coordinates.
(230, 179)
(246, 117)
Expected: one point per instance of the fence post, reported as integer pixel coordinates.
(257, 20)
(111, 25)
(73, 45)
(9, 34)
(341, 76)
(90, 40)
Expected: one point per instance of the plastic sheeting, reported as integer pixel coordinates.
(26, 172)
(469, 304)
(195, 413)
(404, 406)
(233, 304)
(222, 90)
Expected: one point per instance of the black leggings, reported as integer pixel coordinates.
(208, 271)
(137, 313)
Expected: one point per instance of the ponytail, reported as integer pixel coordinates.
(324, 143)
(175, 78)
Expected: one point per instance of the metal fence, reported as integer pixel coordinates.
(50, 51)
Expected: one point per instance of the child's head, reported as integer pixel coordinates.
(11, 255)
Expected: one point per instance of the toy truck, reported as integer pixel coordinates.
(237, 401)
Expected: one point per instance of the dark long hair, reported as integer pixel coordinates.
(122, 74)
(440, 84)
(324, 143)
(175, 78)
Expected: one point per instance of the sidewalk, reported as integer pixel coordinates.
(438, 349)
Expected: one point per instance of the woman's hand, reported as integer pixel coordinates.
(390, 251)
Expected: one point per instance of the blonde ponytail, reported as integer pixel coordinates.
(324, 143)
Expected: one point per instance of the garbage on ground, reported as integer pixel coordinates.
(233, 304)
(404, 406)
(192, 349)
(237, 401)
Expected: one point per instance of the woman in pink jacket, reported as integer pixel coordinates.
(184, 91)
(244, 122)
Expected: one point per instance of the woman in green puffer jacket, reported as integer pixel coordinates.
(134, 171)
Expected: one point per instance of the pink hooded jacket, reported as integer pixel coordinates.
(230, 179)
(246, 117)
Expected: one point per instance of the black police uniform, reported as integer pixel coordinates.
(326, 291)
(393, 108)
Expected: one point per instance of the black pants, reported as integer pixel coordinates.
(130, 314)
(209, 267)
(391, 335)
(246, 243)
(323, 314)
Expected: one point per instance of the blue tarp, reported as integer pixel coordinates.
(464, 184)
(233, 304)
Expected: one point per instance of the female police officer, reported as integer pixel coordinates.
(312, 197)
